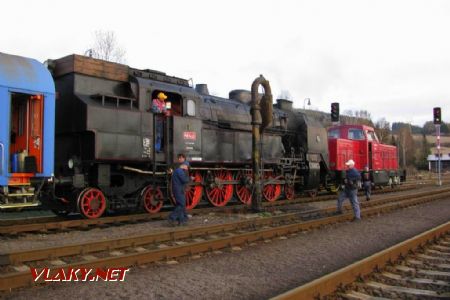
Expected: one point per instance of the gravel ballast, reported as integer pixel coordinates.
(262, 270)
(28, 241)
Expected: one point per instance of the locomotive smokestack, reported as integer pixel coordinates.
(202, 88)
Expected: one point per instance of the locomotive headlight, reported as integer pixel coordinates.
(70, 163)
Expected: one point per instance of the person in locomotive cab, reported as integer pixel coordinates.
(179, 180)
(367, 183)
(350, 191)
(159, 107)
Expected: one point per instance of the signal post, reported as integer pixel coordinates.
(437, 120)
(335, 113)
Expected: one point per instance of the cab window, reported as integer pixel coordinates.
(371, 136)
(334, 134)
(190, 107)
(355, 134)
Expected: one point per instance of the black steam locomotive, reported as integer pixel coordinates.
(105, 156)
(103, 133)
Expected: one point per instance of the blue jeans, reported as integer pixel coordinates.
(159, 134)
(352, 195)
(367, 188)
(179, 213)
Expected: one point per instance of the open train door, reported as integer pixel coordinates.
(26, 134)
(25, 149)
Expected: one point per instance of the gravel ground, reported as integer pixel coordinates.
(260, 271)
(42, 240)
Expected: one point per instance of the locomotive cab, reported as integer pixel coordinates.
(173, 107)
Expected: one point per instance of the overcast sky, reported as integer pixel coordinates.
(391, 58)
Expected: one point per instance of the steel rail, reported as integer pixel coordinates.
(330, 283)
(14, 228)
(229, 239)
(54, 252)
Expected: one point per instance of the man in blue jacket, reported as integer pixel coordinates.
(179, 180)
(352, 181)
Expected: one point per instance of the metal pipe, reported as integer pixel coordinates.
(220, 168)
(438, 146)
(256, 138)
(154, 145)
(27, 127)
(142, 171)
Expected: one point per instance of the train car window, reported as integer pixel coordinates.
(190, 107)
(355, 134)
(371, 136)
(334, 134)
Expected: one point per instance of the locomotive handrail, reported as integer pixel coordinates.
(3, 158)
(143, 172)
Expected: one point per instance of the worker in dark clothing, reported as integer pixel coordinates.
(350, 191)
(367, 183)
(179, 180)
(181, 158)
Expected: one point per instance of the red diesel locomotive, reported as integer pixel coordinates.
(360, 143)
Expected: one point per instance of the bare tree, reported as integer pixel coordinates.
(106, 47)
(407, 146)
(350, 117)
(422, 152)
(383, 130)
(348, 112)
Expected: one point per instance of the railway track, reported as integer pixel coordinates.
(56, 224)
(418, 268)
(168, 245)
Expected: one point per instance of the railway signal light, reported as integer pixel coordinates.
(335, 112)
(437, 118)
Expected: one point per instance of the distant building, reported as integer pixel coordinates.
(445, 160)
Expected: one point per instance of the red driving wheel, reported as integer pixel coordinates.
(91, 203)
(244, 188)
(271, 192)
(289, 191)
(152, 199)
(218, 193)
(194, 193)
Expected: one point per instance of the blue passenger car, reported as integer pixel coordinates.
(27, 114)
